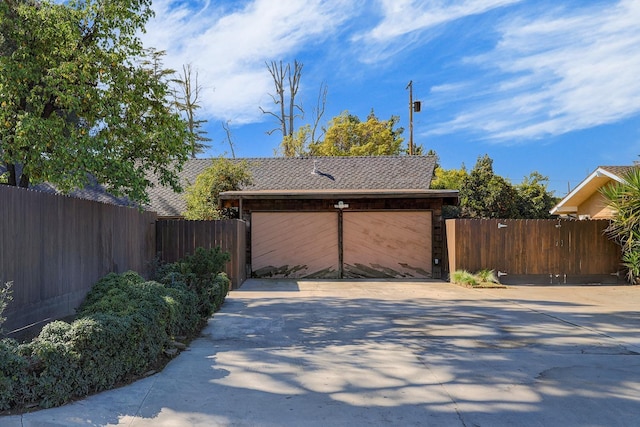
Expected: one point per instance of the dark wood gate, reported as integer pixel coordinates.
(535, 251)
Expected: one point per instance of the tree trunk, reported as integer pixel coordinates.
(13, 181)
(294, 84)
(11, 168)
(24, 180)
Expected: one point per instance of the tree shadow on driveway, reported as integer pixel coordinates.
(467, 360)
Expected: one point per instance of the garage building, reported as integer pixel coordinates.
(343, 217)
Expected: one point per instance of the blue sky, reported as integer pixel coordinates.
(543, 85)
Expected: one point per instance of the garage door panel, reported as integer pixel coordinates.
(294, 244)
(387, 244)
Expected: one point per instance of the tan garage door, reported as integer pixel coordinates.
(294, 244)
(374, 244)
(387, 244)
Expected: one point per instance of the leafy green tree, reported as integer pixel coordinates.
(341, 135)
(297, 144)
(483, 194)
(78, 100)
(487, 195)
(203, 196)
(7, 45)
(624, 200)
(346, 135)
(534, 200)
(449, 179)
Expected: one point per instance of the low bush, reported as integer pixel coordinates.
(483, 278)
(463, 277)
(5, 297)
(122, 330)
(12, 373)
(487, 276)
(631, 261)
(197, 272)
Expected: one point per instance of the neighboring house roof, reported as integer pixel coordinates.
(588, 187)
(295, 174)
(92, 191)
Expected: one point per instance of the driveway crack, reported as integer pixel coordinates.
(423, 362)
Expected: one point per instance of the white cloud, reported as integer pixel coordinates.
(404, 20)
(229, 47)
(558, 72)
(447, 88)
(229, 44)
(405, 16)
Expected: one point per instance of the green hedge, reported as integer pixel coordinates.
(121, 330)
(197, 272)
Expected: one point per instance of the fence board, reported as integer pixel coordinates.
(54, 248)
(178, 238)
(535, 251)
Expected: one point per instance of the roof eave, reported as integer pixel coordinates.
(557, 210)
(330, 194)
(562, 206)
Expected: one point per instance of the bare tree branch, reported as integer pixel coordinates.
(271, 113)
(286, 81)
(279, 73)
(318, 111)
(225, 126)
(186, 99)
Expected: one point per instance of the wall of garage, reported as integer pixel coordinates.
(436, 251)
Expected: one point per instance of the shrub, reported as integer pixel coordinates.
(463, 277)
(70, 360)
(222, 286)
(111, 284)
(13, 368)
(122, 328)
(107, 353)
(631, 261)
(202, 273)
(624, 228)
(183, 312)
(207, 263)
(487, 276)
(483, 278)
(162, 311)
(53, 375)
(5, 297)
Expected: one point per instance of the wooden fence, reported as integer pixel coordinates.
(54, 248)
(535, 251)
(177, 238)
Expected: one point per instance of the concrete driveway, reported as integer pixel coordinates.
(297, 353)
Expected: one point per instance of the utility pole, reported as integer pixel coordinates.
(413, 106)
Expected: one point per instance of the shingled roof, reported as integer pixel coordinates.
(92, 191)
(619, 171)
(589, 186)
(310, 173)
